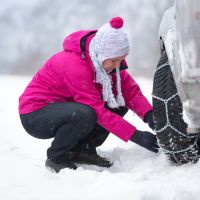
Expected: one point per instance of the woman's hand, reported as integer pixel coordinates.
(149, 119)
(146, 140)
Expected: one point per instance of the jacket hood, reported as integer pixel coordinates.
(79, 42)
(73, 41)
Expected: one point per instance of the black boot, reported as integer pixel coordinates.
(89, 156)
(63, 162)
(91, 159)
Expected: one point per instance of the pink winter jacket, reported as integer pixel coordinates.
(69, 76)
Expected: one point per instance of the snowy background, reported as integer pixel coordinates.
(136, 174)
(33, 30)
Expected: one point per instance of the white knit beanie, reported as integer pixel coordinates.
(110, 41)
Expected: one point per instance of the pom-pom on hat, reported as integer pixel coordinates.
(116, 22)
(111, 40)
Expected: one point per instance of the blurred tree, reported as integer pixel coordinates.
(31, 31)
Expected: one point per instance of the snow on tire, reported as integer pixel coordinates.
(171, 130)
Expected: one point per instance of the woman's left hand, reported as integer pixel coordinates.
(149, 119)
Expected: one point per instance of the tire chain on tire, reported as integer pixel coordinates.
(171, 130)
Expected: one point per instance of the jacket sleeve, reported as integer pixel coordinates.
(133, 96)
(84, 90)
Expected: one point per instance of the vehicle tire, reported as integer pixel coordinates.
(171, 130)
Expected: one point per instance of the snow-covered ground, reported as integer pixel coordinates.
(136, 174)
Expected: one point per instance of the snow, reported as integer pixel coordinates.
(136, 174)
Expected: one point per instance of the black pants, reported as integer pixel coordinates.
(72, 125)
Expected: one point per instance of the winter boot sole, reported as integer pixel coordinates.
(55, 167)
(169, 125)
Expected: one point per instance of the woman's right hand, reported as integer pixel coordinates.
(146, 140)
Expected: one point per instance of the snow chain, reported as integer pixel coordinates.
(171, 130)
